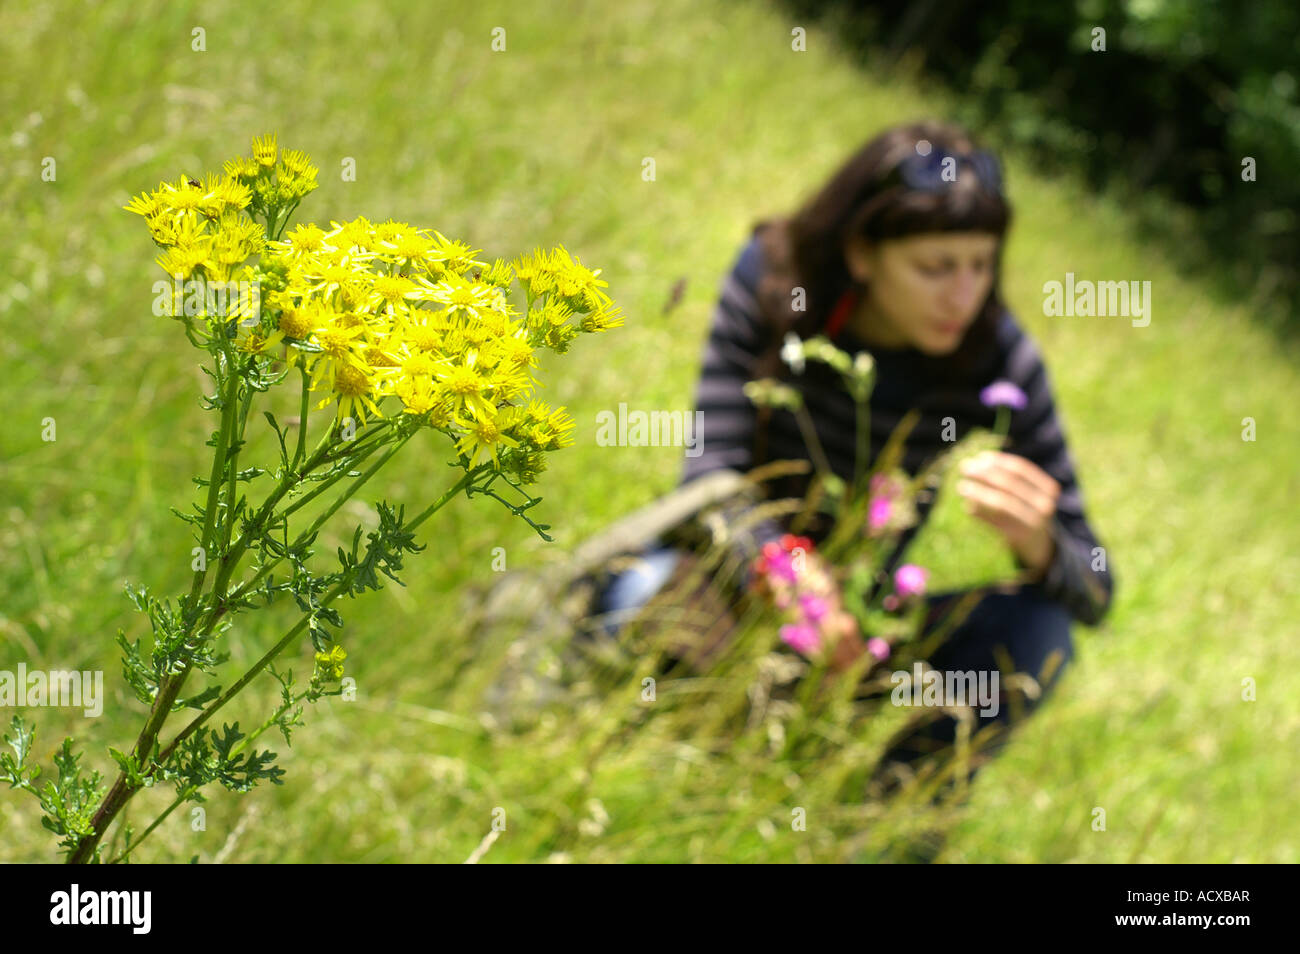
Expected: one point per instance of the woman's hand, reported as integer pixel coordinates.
(849, 646)
(804, 580)
(841, 626)
(1018, 499)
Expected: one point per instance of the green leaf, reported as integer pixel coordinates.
(124, 761)
(960, 551)
(193, 518)
(201, 699)
(279, 436)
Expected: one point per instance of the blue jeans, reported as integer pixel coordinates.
(1029, 625)
(1030, 628)
(634, 587)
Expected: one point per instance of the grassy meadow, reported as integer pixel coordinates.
(540, 144)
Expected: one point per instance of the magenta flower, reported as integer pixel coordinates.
(878, 648)
(885, 485)
(878, 514)
(780, 565)
(801, 637)
(909, 580)
(1004, 394)
(813, 606)
(884, 489)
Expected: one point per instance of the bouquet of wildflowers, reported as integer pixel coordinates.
(836, 602)
(409, 336)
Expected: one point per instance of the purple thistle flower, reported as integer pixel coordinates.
(878, 648)
(1003, 394)
(801, 637)
(909, 580)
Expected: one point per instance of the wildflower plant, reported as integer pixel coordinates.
(791, 669)
(806, 584)
(410, 338)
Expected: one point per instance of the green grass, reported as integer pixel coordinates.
(542, 144)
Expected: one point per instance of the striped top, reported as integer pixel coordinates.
(905, 379)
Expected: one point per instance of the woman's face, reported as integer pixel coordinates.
(923, 291)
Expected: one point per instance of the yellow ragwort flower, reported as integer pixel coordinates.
(264, 150)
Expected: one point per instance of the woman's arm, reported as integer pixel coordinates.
(1078, 574)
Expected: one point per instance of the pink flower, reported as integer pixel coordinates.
(780, 566)
(878, 648)
(878, 514)
(801, 637)
(886, 485)
(909, 580)
(814, 607)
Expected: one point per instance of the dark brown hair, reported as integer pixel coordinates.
(866, 197)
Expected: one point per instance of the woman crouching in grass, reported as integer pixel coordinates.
(898, 255)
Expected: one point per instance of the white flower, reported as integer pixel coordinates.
(792, 352)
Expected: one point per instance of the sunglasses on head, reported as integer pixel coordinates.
(926, 173)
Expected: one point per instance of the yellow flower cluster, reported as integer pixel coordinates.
(201, 226)
(208, 229)
(277, 180)
(390, 309)
(379, 310)
(329, 665)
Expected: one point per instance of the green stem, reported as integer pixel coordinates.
(862, 420)
(442, 501)
(326, 484)
(287, 482)
(243, 744)
(241, 421)
(248, 537)
(231, 382)
(122, 791)
(302, 421)
(296, 631)
(809, 431)
(154, 824)
(349, 493)
(275, 717)
(320, 520)
(287, 214)
(248, 676)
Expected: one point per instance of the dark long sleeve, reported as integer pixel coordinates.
(736, 340)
